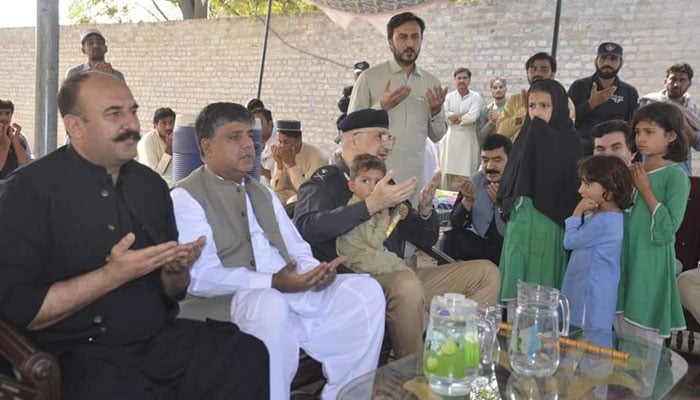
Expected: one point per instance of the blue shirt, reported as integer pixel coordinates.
(593, 272)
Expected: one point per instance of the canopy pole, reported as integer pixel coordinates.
(264, 49)
(45, 114)
(555, 39)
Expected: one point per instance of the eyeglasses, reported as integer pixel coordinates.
(381, 135)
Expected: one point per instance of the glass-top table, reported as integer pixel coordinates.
(581, 375)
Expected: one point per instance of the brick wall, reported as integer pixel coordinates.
(187, 64)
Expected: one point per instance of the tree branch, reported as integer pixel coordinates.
(159, 10)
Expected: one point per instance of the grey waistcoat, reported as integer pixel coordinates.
(224, 204)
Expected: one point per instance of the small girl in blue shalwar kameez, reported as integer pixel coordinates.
(594, 232)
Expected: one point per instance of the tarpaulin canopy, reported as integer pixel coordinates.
(377, 12)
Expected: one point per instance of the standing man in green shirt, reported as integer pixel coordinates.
(412, 96)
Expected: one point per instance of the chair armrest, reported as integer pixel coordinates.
(36, 368)
(438, 255)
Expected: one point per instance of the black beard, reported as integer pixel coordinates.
(606, 75)
(674, 93)
(127, 135)
(401, 61)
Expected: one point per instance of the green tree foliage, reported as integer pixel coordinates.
(227, 8)
(122, 11)
(87, 11)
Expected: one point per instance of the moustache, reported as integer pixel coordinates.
(126, 135)
(492, 171)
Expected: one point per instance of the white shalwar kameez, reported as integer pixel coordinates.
(341, 326)
(459, 149)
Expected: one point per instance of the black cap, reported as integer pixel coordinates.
(610, 48)
(367, 118)
(361, 66)
(288, 125)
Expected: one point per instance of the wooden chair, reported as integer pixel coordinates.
(37, 376)
(688, 252)
(688, 235)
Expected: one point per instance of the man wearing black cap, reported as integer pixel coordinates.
(322, 215)
(603, 96)
(295, 161)
(344, 101)
(94, 46)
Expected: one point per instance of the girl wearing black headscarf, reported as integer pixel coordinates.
(538, 191)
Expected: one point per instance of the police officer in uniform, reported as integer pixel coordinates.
(322, 214)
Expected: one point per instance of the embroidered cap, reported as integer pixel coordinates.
(610, 48)
(288, 125)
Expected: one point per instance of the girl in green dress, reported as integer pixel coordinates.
(648, 295)
(538, 191)
(649, 305)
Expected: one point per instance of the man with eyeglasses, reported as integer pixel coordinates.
(322, 215)
(602, 96)
(94, 46)
(539, 66)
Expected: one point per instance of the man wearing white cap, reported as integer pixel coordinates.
(94, 46)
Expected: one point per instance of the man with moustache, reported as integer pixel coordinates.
(155, 149)
(539, 66)
(92, 269)
(412, 96)
(477, 227)
(323, 214)
(459, 148)
(679, 78)
(492, 111)
(14, 149)
(281, 293)
(94, 46)
(602, 96)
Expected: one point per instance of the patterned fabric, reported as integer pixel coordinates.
(685, 342)
(369, 6)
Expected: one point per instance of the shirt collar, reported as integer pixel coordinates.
(97, 171)
(221, 180)
(685, 101)
(340, 164)
(395, 68)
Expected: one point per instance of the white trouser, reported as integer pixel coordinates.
(341, 326)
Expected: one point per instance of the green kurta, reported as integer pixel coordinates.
(648, 292)
(533, 250)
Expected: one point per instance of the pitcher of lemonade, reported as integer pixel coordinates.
(456, 338)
